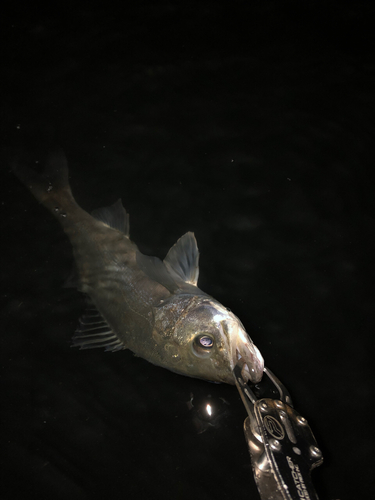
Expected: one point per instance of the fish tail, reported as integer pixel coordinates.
(51, 188)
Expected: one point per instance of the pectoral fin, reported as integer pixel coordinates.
(93, 331)
(179, 270)
(183, 259)
(156, 270)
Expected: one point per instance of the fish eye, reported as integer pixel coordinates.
(206, 341)
(202, 345)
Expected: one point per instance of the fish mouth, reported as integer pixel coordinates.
(249, 357)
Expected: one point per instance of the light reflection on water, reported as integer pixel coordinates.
(207, 411)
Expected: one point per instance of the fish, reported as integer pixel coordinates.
(150, 306)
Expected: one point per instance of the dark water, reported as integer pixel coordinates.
(251, 125)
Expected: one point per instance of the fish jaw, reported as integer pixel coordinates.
(247, 354)
(243, 351)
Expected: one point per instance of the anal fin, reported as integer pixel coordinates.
(93, 331)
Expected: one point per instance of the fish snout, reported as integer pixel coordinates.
(251, 359)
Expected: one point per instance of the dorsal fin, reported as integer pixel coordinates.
(114, 216)
(93, 331)
(183, 259)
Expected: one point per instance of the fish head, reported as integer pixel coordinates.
(212, 340)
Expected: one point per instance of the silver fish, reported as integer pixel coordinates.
(150, 306)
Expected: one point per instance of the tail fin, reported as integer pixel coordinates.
(51, 187)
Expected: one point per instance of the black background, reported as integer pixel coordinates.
(249, 123)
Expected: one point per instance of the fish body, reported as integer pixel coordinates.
(141, 303)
